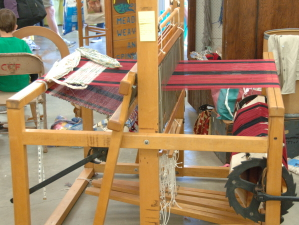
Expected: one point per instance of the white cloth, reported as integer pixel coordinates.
(286, 54)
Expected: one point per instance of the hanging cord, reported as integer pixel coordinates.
(207, 33)
(41, 169)
(220, 20)
(226, 103)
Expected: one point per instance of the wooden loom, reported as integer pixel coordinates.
(148, 141)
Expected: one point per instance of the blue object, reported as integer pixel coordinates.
(70, 17)
(294, 162)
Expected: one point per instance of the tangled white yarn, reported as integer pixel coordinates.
(168, 187)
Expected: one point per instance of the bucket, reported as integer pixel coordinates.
(291, 100)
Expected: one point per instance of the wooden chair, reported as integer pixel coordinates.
(18, 64)
(100, 32)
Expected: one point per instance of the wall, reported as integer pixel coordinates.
(245, 22)
(216, 28)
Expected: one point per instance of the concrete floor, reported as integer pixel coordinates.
(58, 158)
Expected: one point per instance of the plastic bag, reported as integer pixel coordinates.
(225, 100)
(70, 17)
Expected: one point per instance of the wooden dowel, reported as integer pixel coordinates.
(175, 12)
(175, 110)
(164, 13)
(169, 44)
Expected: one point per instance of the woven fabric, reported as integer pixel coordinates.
(196, 75)
(103, 99)
(102, 93)
(201, 125)
(253, 121)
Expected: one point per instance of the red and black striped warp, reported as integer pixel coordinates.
(196, 75)
(102, 94)
(253, 121)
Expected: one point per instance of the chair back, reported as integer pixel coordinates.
(44, 32)
(20, 63)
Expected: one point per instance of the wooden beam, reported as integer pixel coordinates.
(148, 114)
(87, 116)
(70, 198)
(189, 171)
(27, 94)
(123, 168)
(219, 143)
(206, 213)
(19, 167)
(206, 171)
(114, 146)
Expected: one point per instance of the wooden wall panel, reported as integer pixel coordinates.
(197, 98)
(245, 22)
(239, 29)
(191, 26)
(275, 14)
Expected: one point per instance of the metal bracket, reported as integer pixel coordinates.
(263, 197)
(101, 152)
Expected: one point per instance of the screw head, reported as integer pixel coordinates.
(146, 142)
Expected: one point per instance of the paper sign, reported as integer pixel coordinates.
(147, 26)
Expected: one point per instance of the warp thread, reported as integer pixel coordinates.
(168, 185)
(41, 169)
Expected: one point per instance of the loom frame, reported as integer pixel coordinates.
(148, 151)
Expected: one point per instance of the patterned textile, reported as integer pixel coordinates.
(253, 121)
(196, 75)
(201, 125)
(99, 58)
(103, 99)
(102, 93)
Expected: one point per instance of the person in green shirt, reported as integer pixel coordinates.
(10, 44)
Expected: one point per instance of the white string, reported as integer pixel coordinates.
(162, 51)
(42, 81)
(181, 28)
(41, 169)
(226, 103)
(168, 187)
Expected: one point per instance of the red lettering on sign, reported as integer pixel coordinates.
(10, 67)
(3, 66)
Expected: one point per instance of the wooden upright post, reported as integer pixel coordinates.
(148, 86)
(274, 171)
(19, 166)
(148, 113)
